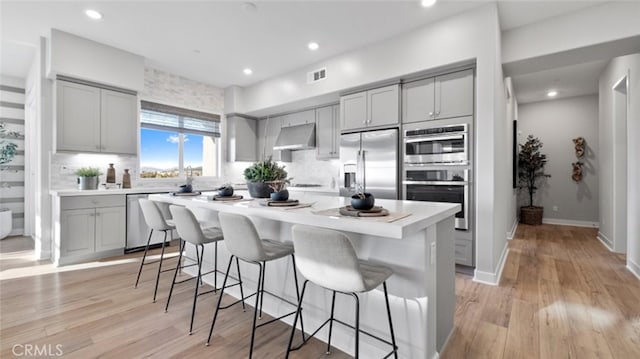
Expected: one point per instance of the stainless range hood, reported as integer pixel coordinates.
(300, 137)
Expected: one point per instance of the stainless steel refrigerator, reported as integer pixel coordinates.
(369, 163)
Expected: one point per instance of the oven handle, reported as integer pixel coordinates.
(430, 165)
(422, 138)
(439, 183)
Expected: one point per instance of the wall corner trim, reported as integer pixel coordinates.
(605, 241)
(633, 267)
(489, 277)
(514, 228)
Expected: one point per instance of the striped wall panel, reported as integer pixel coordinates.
(12, 99)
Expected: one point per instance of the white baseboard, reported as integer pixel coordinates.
(17, 232)
(444, 346)
(514, 227)
(605, 241)
(570, 222)
(633, 268)
(489, 277)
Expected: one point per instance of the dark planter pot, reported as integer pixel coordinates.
(531, 215)
(259, 190)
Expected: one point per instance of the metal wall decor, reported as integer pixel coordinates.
(576, 172)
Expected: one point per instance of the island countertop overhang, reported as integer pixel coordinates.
(423, 214)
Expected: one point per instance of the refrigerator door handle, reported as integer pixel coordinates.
(360, 172)
(363, 160)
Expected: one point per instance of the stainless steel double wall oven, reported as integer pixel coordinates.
(437, 164)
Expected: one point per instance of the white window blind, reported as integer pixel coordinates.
(170, 118)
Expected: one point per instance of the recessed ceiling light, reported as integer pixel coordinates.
(93, 14)
(428, 3)
(313, 46)
(552, 93)
(247, 71)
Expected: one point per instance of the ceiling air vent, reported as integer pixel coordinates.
(317, 75)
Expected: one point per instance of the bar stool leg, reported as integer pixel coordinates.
(144, 256)
(215, 266)
(198, 280)
(255, 313)
(175, 274)
(164, 241)
(240, 281)
(295, 278)
(355, 297)
(295, 319)
(333, 306)
(224, 284)
(393, 336)
(263, 268)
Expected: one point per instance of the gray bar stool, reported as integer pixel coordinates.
(191, 231)
(327, 258)
(243, 242)
(156, 221)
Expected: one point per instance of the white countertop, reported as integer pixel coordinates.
(423, 214)
(103, 192)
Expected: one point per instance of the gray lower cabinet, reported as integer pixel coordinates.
(92, 119)
(268, 130)
(327, 132)
(439, 97)
(464, 252)
(90, 227)
(241, 139)
(373, 108)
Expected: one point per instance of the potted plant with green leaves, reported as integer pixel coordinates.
(88, 177)
(265, 177)
(531, 164)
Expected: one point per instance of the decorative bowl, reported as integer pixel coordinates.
(186, 188)
(282, 195)
(363, 201)
(225, 191)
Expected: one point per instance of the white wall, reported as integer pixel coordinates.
(12, 99)
(84, 59)
(39, 90)
(593, 25)
(615, 70)
(462, 38)
(556, 123)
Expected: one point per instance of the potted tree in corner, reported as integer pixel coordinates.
(263, 176)
(531, 164)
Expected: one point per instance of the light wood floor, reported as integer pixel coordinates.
(562, 295)
(94, 311)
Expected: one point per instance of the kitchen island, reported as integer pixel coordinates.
(418, 247)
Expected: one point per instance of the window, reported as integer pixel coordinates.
(175, 142)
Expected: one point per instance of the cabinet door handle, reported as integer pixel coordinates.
(92, 215)
(364, 122)
(97, 147)
(431, 114)
(437, 113)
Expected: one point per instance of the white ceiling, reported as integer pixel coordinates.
(212, 41)
(569, 81)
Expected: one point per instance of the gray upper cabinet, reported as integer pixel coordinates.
(298, 118)
(383, 106)
(241, 139)
(78, 117)
(377, 107)
(118, 120)
(268, 130)
(91, 119)
(327, 132)
(454, 94)
(439, 97)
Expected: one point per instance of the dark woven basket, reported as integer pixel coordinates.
(531, 215)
